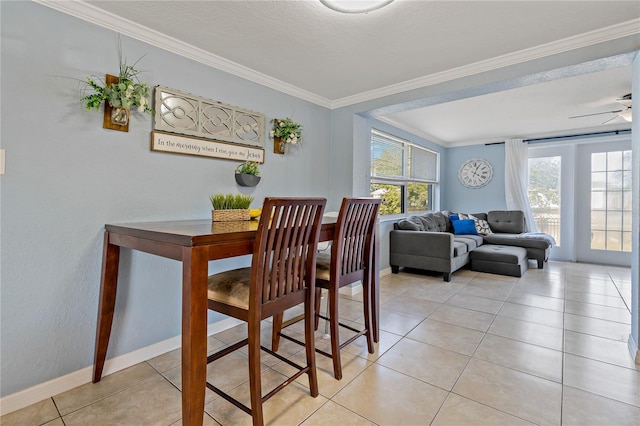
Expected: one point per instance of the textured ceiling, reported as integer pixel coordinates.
(336, 59)
(338, 55)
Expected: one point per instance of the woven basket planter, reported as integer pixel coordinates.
(235, 226)
(230, 215)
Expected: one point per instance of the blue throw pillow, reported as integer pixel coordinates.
(464, 226)
(453, 217)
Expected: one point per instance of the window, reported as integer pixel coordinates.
(403, 175)
(611, 201)
(544, 194)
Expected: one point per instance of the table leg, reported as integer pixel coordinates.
(194, 333)
(108, 285)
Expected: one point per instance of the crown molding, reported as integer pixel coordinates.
(412, 130)
(624, 29)
(92, 14)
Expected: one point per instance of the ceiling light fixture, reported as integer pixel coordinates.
(355, 6)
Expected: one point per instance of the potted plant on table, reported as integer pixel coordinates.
(230, 207)
(248, 173)
(285, 133)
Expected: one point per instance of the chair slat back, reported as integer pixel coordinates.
(352, 242)
(285, 250)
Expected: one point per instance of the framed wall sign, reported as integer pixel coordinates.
(178, 144)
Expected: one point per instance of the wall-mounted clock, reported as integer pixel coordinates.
(475, 173)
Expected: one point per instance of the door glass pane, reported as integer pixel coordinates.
(598, 180)
(614, 160)
(598, 219)
(614, 241)
(611, 200)
(599, 162)
(626, 220)
(614, 221)
(626, 241)
(598, 240)
(544, 194)
(614, 180)
(598, 200)
(614, 200)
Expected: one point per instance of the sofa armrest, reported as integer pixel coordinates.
(422, 243)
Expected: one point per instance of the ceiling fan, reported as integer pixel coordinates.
(624, 113)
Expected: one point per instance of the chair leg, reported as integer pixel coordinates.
(317, 311)
(335, 332)
(275, 331)
(255, 388)
(367, 301)
(309, 344)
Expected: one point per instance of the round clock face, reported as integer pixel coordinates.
(475, 173)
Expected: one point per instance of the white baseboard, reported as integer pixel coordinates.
(633, 349)
(352, 290)
(69, 381)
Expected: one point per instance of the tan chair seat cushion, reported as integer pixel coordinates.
(323, 263)
(231, 287)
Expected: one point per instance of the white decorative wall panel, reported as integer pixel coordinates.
(186, 114)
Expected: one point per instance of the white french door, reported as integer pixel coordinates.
(603, 225)
(580, 193)
(551, 195)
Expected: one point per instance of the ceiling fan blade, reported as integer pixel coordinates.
(598, 113)
(611, 119)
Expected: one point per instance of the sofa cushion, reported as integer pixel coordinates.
(482, 226)
(459, 248)
(412, 223)
(464, 226)
(471, 241)
(506, 221)
(434, 221)
(478, 240)
(517, 240)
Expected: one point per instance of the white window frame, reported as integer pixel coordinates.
(405, 179)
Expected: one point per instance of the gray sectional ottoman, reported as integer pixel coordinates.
(498, 259)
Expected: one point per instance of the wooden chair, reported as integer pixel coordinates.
(282, 275)
(350, 261)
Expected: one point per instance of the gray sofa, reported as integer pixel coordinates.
(428, 242)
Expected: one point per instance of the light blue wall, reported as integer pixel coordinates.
(458, 198)
(66, 177)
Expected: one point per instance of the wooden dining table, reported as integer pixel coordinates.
(194, 243)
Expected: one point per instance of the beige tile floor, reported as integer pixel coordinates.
(549, 348)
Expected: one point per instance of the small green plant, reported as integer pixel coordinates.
(230, 201)
(287, 130)
(128, 93)
(249, 168)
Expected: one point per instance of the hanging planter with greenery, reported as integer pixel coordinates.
(248, 173)
(285, 133)
(121, 94)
